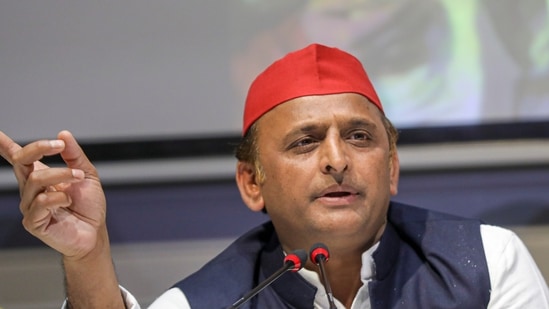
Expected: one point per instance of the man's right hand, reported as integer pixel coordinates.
(62, 206)
(65, 207)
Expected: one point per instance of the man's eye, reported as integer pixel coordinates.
(303, 145)
(360, 136)
(304, 142)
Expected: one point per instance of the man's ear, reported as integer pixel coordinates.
(250, 190)
(394, 170)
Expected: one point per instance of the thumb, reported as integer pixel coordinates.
(73, 154)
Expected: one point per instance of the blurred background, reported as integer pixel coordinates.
(154, 92)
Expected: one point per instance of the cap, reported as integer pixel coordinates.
(313, 70)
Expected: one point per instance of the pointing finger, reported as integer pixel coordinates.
(33, 152)
(7, 147)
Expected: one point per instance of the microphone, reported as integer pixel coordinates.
(319, 255)
(292, 262)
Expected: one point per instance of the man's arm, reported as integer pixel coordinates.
(91, 281)
(65, 207)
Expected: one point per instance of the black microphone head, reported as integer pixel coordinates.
(298, 258)
(319, 251)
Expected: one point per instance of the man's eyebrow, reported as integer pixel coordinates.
(310, 127)
(306, 128)
(362, 122)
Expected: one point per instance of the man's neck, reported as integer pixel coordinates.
(343, 270)
(344, 277)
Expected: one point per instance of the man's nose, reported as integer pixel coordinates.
(334, 156)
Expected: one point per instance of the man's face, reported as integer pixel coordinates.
(328, 173)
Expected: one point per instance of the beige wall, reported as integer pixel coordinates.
(32, 278)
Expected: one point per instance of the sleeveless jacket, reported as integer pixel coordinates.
(425, 259)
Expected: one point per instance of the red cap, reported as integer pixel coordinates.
(313, 70)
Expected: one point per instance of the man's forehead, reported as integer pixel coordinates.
(314, 108)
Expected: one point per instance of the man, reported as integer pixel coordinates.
(319, 156)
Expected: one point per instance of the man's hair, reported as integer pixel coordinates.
(248, 151)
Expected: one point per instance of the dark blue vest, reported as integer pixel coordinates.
(425, 259)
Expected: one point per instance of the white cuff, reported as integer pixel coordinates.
(129, 300)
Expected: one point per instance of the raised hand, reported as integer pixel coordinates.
(65, 208)
(62, 206)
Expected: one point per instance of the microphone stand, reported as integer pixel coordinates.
(329, 294)
(259, 288)
(293, 262)
(319, 255)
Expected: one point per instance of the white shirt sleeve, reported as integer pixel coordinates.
(514, 276)
(129, 300)
(171, 299)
